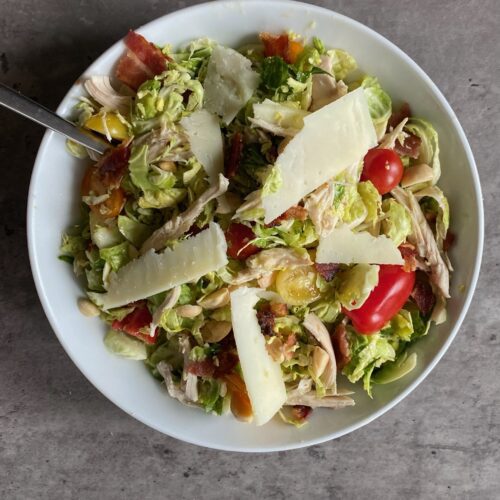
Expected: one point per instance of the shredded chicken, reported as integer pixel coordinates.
(312, 400)
(318, 330)
(219, 298)
(192, 387)
(159, 139)
(304, 394)
(324, 87)
(169, 302)
(227, 203)
(179, 224)
(245, 276)
(100, 88)
(319, 206)
(424, 241)
(189, 380)
(389, 139)
(174, 391)
(303, 387)
(441, 226)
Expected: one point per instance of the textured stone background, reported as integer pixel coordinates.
(59, 438)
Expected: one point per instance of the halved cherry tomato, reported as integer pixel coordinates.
(110, 123)
(385, 301)
(92, 182)
(113, 205)
(298, 285)
(281, 45)
(136, 324)
(240, 402)
(383, 168)
(238, 237)
(294, 50)
(105, 178)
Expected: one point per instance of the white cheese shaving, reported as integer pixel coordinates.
(205, 139)
(153, 273)
(343, 246)
(229, 83)
(262, 375)
(332, 139)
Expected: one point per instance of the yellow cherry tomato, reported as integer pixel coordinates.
(298, 286)
(115, 127)
(91, 183)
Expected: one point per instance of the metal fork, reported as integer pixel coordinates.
(21, 104)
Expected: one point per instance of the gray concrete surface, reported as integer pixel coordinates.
(59, 438)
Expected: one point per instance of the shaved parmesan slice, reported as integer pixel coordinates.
(205, 139)
(153, 273)
(229, 84)
(332, 139)
(280, 119)
(262, 375)
(343, 246)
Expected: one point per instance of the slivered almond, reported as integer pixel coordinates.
(219, 298)
(188, 310)
(88, 308)
(320, 360)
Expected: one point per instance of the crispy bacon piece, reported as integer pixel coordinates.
(341, 346)
(409, 254)
(279, 310)
(113, 166)
(327, 271)
(410, 147)
(136, 322)
(301, 412)
(225, 363)
(147, 52)
(265, 317)
(131, 71)
(204, 368)
(295, 212)
(282, 46)
(422, 294)
(141, 62)
(233, 159)
(398, 116)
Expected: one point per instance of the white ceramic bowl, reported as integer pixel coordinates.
(53, 206)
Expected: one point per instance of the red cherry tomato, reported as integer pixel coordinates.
(238, 236)
(385, 301)
(136, 324)
(383, 168)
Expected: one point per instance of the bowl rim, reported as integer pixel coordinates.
(44, 145)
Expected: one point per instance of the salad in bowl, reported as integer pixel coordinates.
(265, 229)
